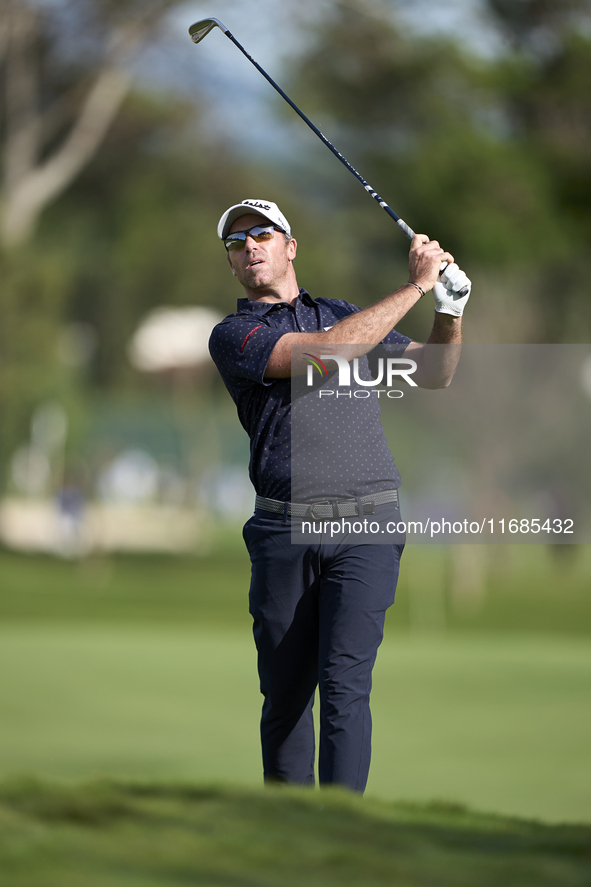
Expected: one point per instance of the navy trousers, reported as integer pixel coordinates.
(318, 616)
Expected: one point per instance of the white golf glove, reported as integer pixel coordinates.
(452, 291)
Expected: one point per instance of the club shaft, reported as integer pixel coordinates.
(401, 224)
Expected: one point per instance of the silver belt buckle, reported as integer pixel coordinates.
(313, 506)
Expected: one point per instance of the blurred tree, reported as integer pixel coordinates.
(66, 70)
(545, 82)
(141, 222)
(135, 230)
(539, 25)
(490, 156)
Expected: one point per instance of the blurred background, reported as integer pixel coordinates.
(125, 638)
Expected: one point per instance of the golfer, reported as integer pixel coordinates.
(319, 608)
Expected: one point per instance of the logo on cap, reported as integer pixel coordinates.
(256, 203)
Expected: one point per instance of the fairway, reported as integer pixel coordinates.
(498, 722)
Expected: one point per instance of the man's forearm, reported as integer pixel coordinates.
(438, 358)
(356, 334)
(370, 326)
(447, 330)
(359, 332)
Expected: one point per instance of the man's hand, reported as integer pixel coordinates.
(446, 291)
(424, 262)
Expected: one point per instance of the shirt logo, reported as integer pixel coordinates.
(246, 338)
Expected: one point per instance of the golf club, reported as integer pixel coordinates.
(201, 29)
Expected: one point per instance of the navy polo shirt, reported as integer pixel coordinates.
(241, 346)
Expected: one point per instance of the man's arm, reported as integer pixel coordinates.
(438, 358)
(363, 330)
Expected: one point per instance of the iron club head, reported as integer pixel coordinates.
(201, 29)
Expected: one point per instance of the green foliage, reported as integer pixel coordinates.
(141, 226)
(490, 157)
(137, 230)
(139, 223)
(109, 833)
(35, 287)
(528, 22)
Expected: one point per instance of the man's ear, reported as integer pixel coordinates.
(231, 265)
(292, 248)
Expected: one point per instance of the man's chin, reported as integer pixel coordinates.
(257, 281)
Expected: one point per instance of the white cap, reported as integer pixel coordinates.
(252, 207)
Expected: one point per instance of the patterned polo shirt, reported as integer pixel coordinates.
(241, 346)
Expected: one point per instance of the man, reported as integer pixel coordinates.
(318, 609)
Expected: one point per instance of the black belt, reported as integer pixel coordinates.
(326, 508)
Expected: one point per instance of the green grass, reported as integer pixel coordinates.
(114, 835)
(499, 723)
(124, 590)
(145, 668)
(522, 588)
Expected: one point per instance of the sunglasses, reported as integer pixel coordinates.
(259, 234)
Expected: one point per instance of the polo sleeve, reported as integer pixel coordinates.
(396, 338)
(241, 348)
(393, 344)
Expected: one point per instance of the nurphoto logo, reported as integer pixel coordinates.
(389, 369)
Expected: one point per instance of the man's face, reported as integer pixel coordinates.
(259, 266)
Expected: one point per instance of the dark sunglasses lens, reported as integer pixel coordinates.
(236, 241)
(258, 234)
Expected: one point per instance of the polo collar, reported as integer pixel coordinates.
(262, 308)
